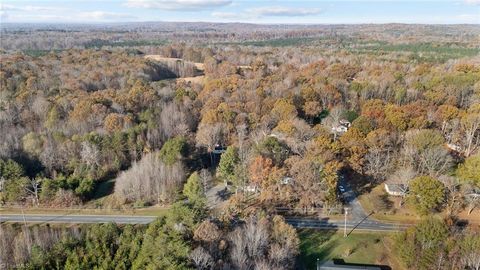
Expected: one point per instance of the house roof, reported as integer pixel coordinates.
(395, 187)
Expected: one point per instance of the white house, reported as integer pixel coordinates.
(396, 189)
(454, 147)
(345, 123)
(252, 189)
(286, 180)
(342, 127)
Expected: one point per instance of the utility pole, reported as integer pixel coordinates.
(27, 233)
(345, 227)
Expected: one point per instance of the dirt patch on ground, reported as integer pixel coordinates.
(156, 57)
(199, 66)
(197, 79)
(473, 218)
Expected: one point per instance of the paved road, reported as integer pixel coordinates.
(367, 225)
(76, 219)
(296, 222)
(217, 196)
(357, 218)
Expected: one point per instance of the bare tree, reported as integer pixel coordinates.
(470, 251)
(471, 128)
(333, 119)
(11, 139)
(208, 234)
(473, 201)
(7, 235)
(16, 244)
(33, 188)
(279, 254)
(40, 106)
(22, 246)
(90, 154)
(209, 135)
(264, 264)
(150, 180)
(302, 136)
(256, 234)
(49, 155)
(242, 135)
(238, 252)
(174, 121)
(434, 161)
(65, 198)
(206, 179)
(377, 163)
(201, 258)
(455, 197)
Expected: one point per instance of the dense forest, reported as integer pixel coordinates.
(181, 240)
(293, 111)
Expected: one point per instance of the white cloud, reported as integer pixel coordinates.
(5, 7)
(178, 5)
(80, 17)
(473, 2)
(16, 13)
(284, 11)
(256, 14)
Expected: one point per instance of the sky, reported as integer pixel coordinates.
(251, 11)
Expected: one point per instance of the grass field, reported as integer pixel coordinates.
(363, 248)
(395, 214)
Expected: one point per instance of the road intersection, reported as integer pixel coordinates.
(357, 218)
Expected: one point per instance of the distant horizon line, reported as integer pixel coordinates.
(252, 23)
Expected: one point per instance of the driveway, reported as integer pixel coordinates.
(355, 209)
(217, 196)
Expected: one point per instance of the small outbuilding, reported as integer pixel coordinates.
(342, 126)
(251, 189)
(287, 181)
(396, 189)
(454, 147)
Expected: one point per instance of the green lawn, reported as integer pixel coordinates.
(363, 247)
(405, 214)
